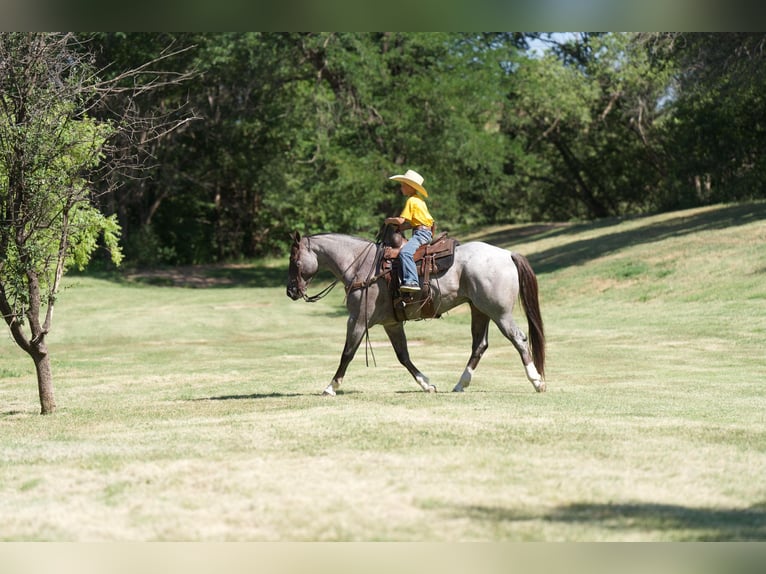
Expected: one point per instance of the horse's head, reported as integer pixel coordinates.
(303, 266)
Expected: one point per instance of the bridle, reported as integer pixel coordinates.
(302, 284)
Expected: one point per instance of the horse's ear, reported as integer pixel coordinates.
(296, 236)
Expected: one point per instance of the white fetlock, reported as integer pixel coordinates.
(532, 373)
(425, 384)
(465, 380)
(535, 378)
(331, 388)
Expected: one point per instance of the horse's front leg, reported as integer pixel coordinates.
(399, 342)
(354, 333)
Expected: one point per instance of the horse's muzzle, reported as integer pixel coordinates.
(294, 292)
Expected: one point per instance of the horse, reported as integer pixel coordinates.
(488, 278)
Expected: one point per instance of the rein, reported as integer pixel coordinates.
(322, 294)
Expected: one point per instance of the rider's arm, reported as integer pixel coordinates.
(400, 221)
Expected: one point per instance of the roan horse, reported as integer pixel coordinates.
(488, 278)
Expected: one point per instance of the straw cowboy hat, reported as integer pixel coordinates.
(413, 179)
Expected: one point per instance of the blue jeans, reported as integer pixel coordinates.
(409, 269)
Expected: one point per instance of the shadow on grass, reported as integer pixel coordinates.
(253, 396)
(579, 252)
(211, 276)
(702, 524)
(258, 396)
(196, 276)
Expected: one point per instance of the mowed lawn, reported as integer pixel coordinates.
(194, 412)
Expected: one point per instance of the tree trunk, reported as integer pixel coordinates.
(35, 348)
(596, 207)
(44, 379)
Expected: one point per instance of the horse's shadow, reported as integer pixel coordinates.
(273, 395)
(253, 396)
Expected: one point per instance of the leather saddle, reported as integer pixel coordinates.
(432, 260)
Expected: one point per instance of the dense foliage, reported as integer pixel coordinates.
(301, 131)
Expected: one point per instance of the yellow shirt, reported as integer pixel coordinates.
(416, 212)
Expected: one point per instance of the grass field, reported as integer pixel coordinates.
(190, 407)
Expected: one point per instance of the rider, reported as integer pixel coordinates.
(415, 215)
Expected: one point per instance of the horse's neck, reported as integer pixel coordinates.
(344, 256)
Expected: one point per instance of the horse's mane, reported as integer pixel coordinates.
(340, 235)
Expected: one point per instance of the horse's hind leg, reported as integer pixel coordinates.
(511, 330)
(479, 330)
(399, 342)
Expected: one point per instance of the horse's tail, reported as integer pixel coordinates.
(528, 294)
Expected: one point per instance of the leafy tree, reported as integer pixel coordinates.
(380, 102)
(717, 132)
(50, 148)
(584, 120)
(301, 131)
(153, 161)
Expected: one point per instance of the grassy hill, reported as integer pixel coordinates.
(189, 404)
(679, 289)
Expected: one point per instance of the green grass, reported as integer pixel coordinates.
(195, 413)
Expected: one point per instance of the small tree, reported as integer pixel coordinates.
(51, 150)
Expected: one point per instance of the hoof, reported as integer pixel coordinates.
(541, 388)
(458, 389)
(430, 389)
(329, 392)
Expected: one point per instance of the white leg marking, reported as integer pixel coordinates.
(329, 391)
(331, 388)
(425, 384)
(465, 380)
(535, 378)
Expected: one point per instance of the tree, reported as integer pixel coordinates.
(585, 121)
(51, 148)
(300, 130)
(718, 133)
